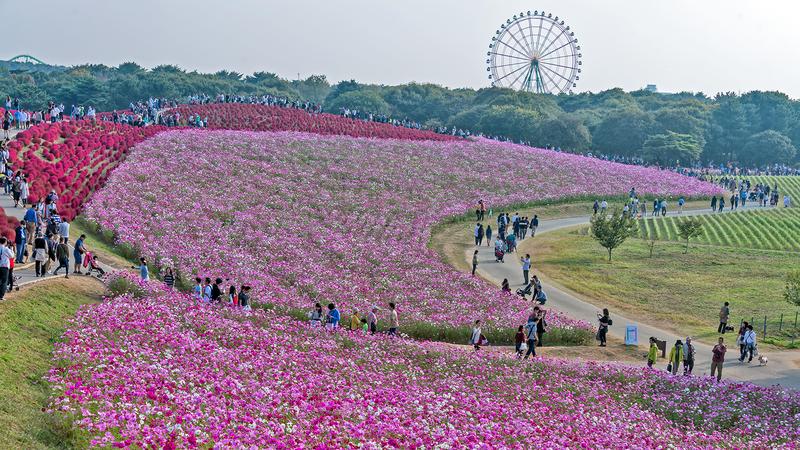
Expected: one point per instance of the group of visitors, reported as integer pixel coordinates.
(207, 291)
(366, 323)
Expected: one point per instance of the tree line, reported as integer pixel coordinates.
(749, 130)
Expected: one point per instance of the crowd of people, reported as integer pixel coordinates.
(365, 322)
(743, 190)
(207, 291)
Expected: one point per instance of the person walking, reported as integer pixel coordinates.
(595, 207)
(526, 268)
(602, 330)
(718, 358)
(5, 265)
(77, 253)
(721, 206)
(675, 357)
(688, 356)
(740, 337)
(480, 235)
(394, 323)
(62, 255)
(488, 235)
(20, 237)
(714, 204)
(474, 262)
(534, 225)
(652, 354)
(475, 232)
(530, 328)
(475, 340)
(519, 338)
(40, 254)
(724, 313)
(749, 340)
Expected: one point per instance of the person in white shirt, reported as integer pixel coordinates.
(5, 266)
(476, 335)
(63, 230)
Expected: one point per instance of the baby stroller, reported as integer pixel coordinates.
(499, 254)
(525, 291)
(90, 262)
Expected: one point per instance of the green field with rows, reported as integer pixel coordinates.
(768, 228)
(758, 228)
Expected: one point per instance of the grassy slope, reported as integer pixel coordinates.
(682, 292)
(30, 322)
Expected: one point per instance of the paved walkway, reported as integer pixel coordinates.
(783, 365)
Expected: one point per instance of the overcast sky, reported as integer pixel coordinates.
(694, 45)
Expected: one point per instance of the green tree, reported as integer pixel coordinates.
(688, 229)
(314, 88)
(792, 291)
(566, 132)
(670, 148)
(612, 230)
(362, 100)
(623, 132)
(767, 147)
(728, 128)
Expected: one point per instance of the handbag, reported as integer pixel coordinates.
(523, 347)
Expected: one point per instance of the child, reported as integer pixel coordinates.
(355, 321)
(519, 338)
(652, 354)
(364, 326)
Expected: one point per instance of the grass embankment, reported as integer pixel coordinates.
(30, 322)
(681, 292)
(102, 243)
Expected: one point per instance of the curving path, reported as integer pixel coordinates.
(783, 367)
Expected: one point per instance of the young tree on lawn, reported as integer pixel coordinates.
(611, 231)
(688, 229)
(792, 291)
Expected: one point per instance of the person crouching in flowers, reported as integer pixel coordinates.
(333, 317)
(315, 315)
(197, 292)
(244, 298)
(355, 321)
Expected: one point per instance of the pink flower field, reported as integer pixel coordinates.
(160, 371)
(305, 218)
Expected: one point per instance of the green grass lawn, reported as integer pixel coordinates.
(30, 322)
(768, 229)
(677, 291)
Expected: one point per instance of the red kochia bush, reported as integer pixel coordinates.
(74, 158)
(238, 116)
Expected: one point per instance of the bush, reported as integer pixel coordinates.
(123, 286)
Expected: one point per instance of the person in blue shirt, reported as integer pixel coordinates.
(21, 238)
(77, 253)
(144, 272)
(333, 316)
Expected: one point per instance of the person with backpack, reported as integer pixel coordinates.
(602, 330)
(675, 357)
(688, 356)
(62, 256)
(652, 354)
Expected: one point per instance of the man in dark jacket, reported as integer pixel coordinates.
(21, 238)
(62, 255)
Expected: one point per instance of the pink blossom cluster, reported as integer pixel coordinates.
(238, 116)
(163, 371)
(304, 218)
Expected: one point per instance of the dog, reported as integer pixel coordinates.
(762, 360)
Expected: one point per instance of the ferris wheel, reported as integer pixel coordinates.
(534, 52)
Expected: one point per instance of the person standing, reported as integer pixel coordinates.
(718, 358)
(77, 253)
(675, 357)
(144, 272)
(541, 325)
(372, 320)
(526, 267)
(475, 232)
(714, 204)
(530, 328)
(740, 337)
(688, 356)
(62, 255)
(63, 230)
(169, 278)
(474, 262)
(5, 265)
(595, 207)
(40, 254)
(394, 323)
(534, 225)
(480, 235)
(724, 313)
(475, 340)
(652, 354)
(20, 237)
(602, 330)
(519, 338)
(315, 316)
(488, 235)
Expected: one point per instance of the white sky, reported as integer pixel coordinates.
(694, 45)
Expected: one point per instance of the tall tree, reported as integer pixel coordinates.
(623, 132)
(671, 149)
(767, 147)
